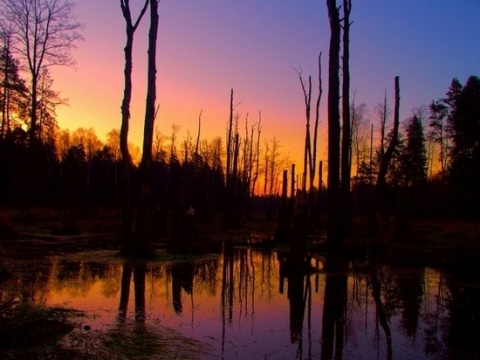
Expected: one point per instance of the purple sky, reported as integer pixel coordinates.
(206, 47)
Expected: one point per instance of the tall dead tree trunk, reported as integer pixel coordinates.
(313, 206)
(283, 219)
(307, 152)
(380, 187)
(228, 211)
(250, 191)
(257, 154)
(234, 184)
(334, 232)
(346, 132)
(198, 136)
(383, 113)
(144, 171)
(320, 186)
(229, 141)
(310, 149)
(131, 27)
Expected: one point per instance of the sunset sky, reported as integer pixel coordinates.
(207, 47)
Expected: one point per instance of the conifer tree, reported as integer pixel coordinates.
(13, 92)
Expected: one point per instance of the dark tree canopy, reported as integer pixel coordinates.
(414, 159)
(13, 92)
(461, 110)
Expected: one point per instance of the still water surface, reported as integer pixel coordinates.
(242, 305)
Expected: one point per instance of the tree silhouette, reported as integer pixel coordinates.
(131, 27)
(334, 209)
(464, 122)
(144, 177)
(48, 101)
(43, 33)
(13, 97)
(414, 159)
(438, 117)
(346, 161)
(378, 201)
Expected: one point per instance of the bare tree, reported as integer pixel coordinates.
(256, 156)
(229, 141)
(382, 112)
(217, 152)
(359, 127)
(159, 152)
(384, 164)
(231, 172)
(310, 149)
(275, 165)
(317, 123)
(48, 101)
(130, 28)
(144, 171)
(333, 223)
(307, 154)
(197, 142)
(266, 167)
(173, 139)
(188, 148)
(44, 32)
(346, 166)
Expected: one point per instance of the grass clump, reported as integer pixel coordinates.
(131, 340)
(32, 331)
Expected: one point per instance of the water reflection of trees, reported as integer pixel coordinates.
(334, 309)
(437, 312)
(383, 314)
(139, 284)
(78, 277)
(246, 275)
(463, 335)
(182, 278)
(411, 301)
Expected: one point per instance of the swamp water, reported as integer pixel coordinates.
(242, 305)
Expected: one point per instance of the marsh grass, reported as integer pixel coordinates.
(29, 331)
(132, 341)
(32, 332)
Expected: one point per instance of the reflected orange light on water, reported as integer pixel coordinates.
(243, 305)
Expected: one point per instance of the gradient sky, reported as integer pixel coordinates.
(207, 47)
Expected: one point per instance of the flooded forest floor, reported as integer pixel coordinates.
(29, 238)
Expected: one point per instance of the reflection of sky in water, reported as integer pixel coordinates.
(259, 324)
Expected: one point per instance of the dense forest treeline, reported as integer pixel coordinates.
(434, 169)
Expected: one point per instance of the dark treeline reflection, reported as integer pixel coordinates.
(244, 303)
